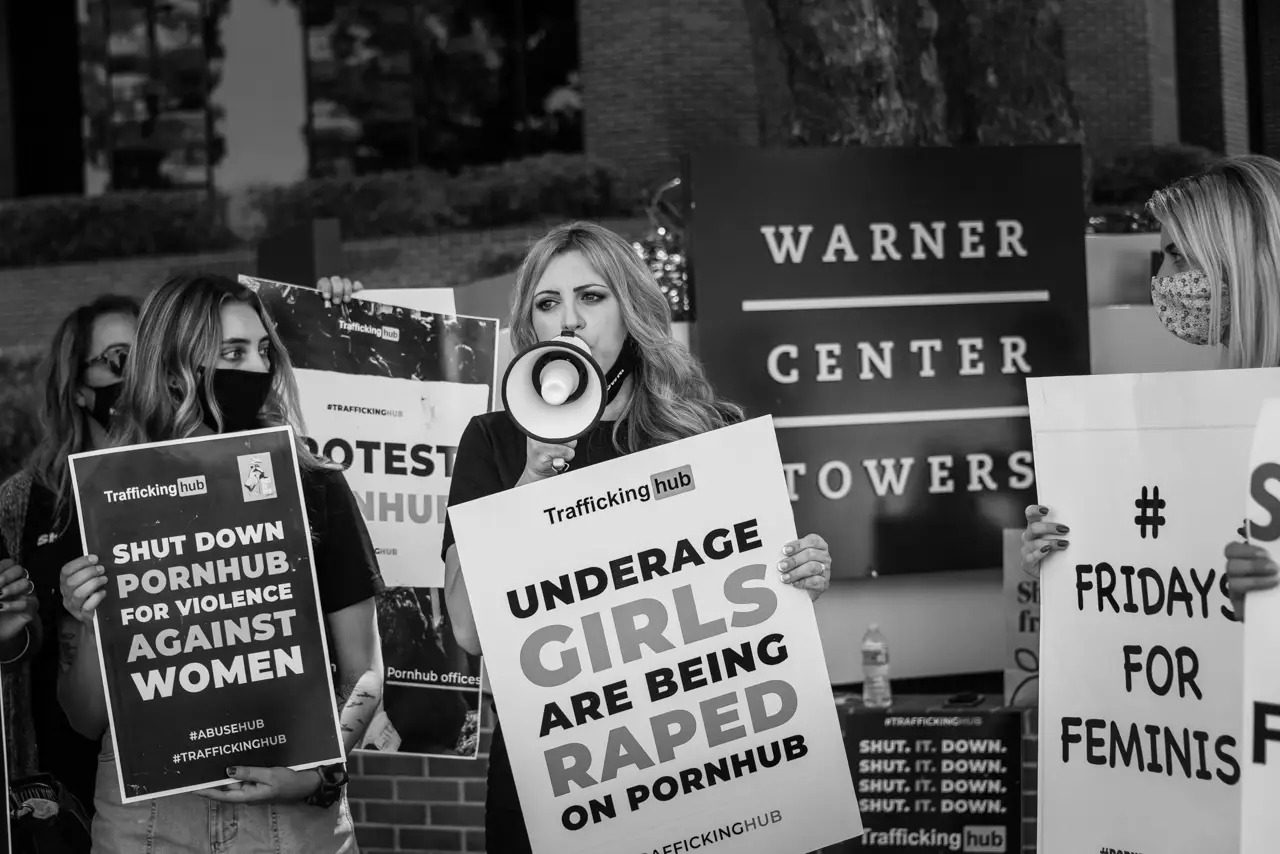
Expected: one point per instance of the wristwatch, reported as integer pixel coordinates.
(332, 779)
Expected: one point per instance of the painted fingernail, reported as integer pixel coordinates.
(231, 770)
(1063, 529)
(787, 579)
(1062, 544)
(1044, 511)
(1044, 550)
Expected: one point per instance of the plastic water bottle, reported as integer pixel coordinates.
(876, 693)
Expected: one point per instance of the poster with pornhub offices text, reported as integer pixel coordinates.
(386, 392)
(668, 692)
(886, 306)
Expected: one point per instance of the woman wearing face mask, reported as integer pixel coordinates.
(80, 382)
(1219, 285)
(584, 278)
(207, 360)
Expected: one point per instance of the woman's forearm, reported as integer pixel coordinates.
(358, 698)
(462, 621)
(80, 679)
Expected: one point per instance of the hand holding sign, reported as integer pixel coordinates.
(264, 786)
(1249, 569)
(1040, 538)
(17, 599)
(82, 582)
(807, 565)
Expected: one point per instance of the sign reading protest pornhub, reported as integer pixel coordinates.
(657, 682)
(1141, 654)
(886, 306)
(212, 640)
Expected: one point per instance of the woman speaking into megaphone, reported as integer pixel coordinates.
(583, 289)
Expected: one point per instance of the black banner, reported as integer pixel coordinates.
(886, 306)
(212, 640)
(937, 781)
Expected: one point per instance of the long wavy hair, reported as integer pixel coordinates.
(1226, 220)
(64, 424)
(671, 396)
(170, 372)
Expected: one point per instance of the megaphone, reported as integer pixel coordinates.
(555, 390)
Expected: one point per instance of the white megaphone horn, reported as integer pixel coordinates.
(555, 390)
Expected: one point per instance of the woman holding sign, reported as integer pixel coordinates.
(1219, 285)
(207, 360)
(584, 278)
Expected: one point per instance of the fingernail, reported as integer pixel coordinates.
(91, 558)
(784, 564)
(786, 550)
(231, 770)
(1045, 549)
(1063, 529)
(1062, 544)
(786, 578)
(1044, 511)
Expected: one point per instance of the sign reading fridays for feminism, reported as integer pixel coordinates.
(213, 648)
(663, 685)
(1141, 675)
(885, 306)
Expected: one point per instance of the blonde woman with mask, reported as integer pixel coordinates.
(1219, 286)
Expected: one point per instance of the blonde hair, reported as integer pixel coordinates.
(169, 375)
(1226, 220)
(671, 397)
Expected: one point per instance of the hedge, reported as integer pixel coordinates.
(18, 402)
(61, 230)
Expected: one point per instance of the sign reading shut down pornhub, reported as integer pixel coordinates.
(666, 687)
(886, 306)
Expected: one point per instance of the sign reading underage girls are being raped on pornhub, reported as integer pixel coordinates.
(212, 639)
(885, 306)
(1141, 654)
(657, 681)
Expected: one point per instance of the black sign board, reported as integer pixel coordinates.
(886, 307)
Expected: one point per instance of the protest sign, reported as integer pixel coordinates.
(1140, 654)
(6, 842)
(663, 685)
(937, 780)
(885, 306)
(213, 645)
(386, 392)
(1260, 775)
(1022, 625)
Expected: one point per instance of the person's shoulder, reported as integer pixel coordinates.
(497, 427)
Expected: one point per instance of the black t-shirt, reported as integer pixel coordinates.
(48, 544)
(346, 564)
(491, 457)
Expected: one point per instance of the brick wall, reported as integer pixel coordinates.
(36, 298)
(1120, 65)
(663, 75)
(1235, 79)
(1212, 85)
(405, 803)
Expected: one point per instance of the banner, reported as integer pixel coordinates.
(6, 839)
(886, 305)
(1140, 656)
(212, 640)
(664, 686)
(386, 392)
(1260, 777)
(1022, 625)
(941, 780)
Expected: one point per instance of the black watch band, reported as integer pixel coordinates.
(332, 779)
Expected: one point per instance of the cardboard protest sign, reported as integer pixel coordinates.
(1140, 655)
(386, 392)
(212, 640)
(6, 839)
(1022, 625)
(657, 681)
(1260, 775)
(885, 305)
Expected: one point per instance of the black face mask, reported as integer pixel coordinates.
(104, 401)
(240, 395)
(628, 362)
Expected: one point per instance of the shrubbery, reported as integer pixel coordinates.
(391, 204)
(18, 402)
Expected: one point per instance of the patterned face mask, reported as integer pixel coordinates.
(1184, 304)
